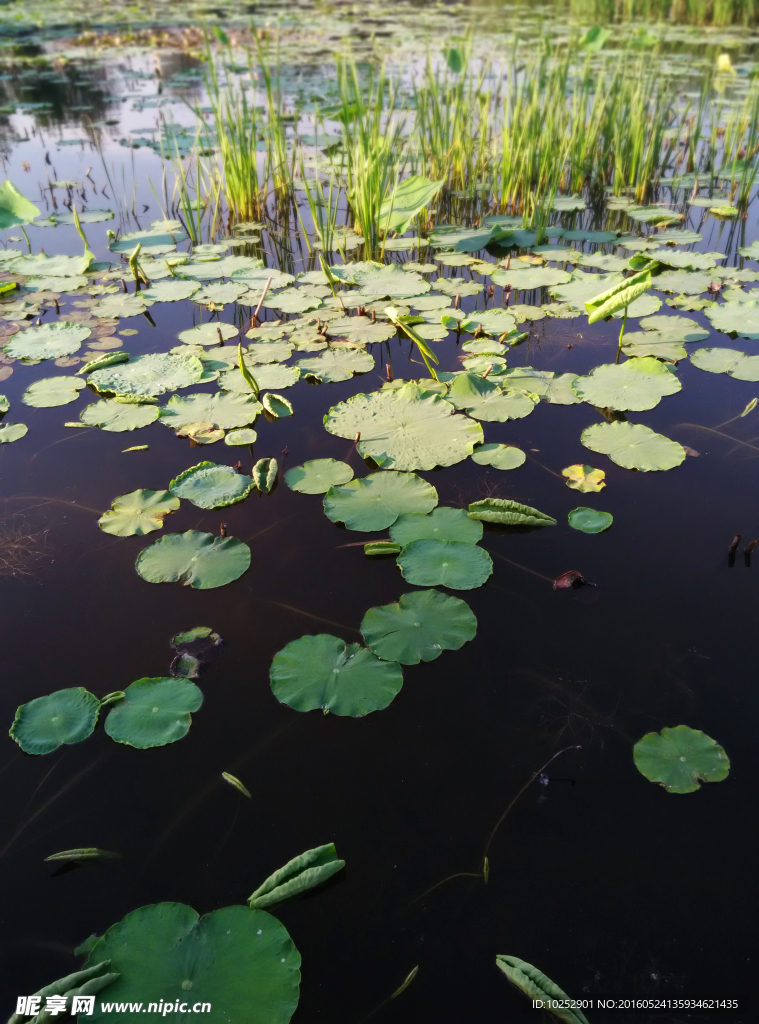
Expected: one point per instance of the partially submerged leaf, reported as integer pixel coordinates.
(64, 717)
(374, 502)
(318, 475)
(224, 411)
(195, 559)
(418, 627)
(138, 513)
(303, 872)
(680, 759)
(209, 485)
(153, 712)
(508, 513)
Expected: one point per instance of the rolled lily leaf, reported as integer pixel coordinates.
(508, 513)
(304, 872)
(618, 297)
(107, 359)
(264, 474)
(536, 985)
(86, 982)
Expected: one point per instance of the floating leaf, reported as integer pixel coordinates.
(110, 414)
(741, 318)
(374, 502)
(584, 478)
(680, 759)
(727, 360)
(326, 673)
(269, 352)
(499, 456)
(149, 375)
(445, 563)
(418, 627)
(52, 391)
(156, 240)
(682, 259)
(224, 411)
(12, 432)
(582, 287)
(508, 513)
(51, 266)
(589, 520)
(209, 485)
(208, 333)
(405, 429)
(245, 435)
(318, 475)
(194, 559)
(64, 717)
(536, 985)
(49, 341)
(137, 513)
(82, 854)
(269, 376)
(440, 524)
(303, 872)
(633, 446)
(530, 278)
(277, 406)
(170, 291)
(636, 384)
(337, 364)
(153, 712)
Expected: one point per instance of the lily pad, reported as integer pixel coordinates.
(323, 672)
(406, 428)
(121, 306)
(51, 266)
(209, 485)
(637, 384)
(153, 712)
(318, 475)
(530, 278)
(418, 627)
(64, 717)
(741, 318)
(589, 520)
(360, 330)
(242, 436)
(633, 446)
(682, 282)
(499, 456)
(224, 411)
(208, 333)
(445, 563)
(240, 959)
(52, 391)
(194, 559)
(268, 376)
(12, 432)
(584, 478)
(268, 352)
(156, 240)
(137, 513)
(149, 375)
(292, 301)
(727, 360)
(374, 502)
(218, 294)
(49, 341)
(441, 523)
(337, 364)
(680, 759)
(582, 286)
(110, 414)
(170, 291)
(506, 512)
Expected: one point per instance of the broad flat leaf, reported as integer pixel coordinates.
(268, 376)
(64, 717)
(406, 201)
(299, 874)
(492, 321)
(194, 559)
(654, 215)
(116, 416)
(582, 286)
(52, 391)
(217, 294)
(138, 512)
(360, 329)
(499, 456)
(418, 627)
(12, 432)
(390, 282)
(741, 318)
(460, 239)
(536, 985)
(322, 672)
(653, 343)
(292, 301)
(508, 513)
(469, 389)
(224, 410)
(51, 266)
(15, 208)
(554, 389)
(49, 341)
(374, 502)
(245, 435)
(727, 360)
(682, 282)
(208, 333)
(337, 364)
(154, 240)
(680, 759)
(530, 278)
(633, 446)
(170, 291)
(149, 375)
(681, 328)
(240, 959)
(682, 260)
(153, 712)
(213, 270)
(602, 261)
(642, 306)
(318, 475)
(457, 286)
(589, 520)
(569, 204)
(209, 485)
(406, 428)
(268, 352)
(445, 563)
(441, 523)
(584, 478)
(636, 384)
(499, 407)
(255, 278)
(120, 306)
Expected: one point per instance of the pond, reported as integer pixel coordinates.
(380, 402)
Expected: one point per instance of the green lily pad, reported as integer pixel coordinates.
(318, 475)
(499, 456)
(406, 428)
(582, 286)
(155, 241)
(441, 523)
(170, 291)
(658, 344)
(360, 330)
(51, 266)
(589, 520)
(530, 278)
(680, 759)
(52, 391)
(110, 414)
(12, 432)
(682, 282)
(322, 672)
(681, 328)
(268, 376)
(337, 364)
(64, 717)
(49, 341)
(636, 384)
(208, 333)
(194, 559)
(374, 502)
(654, 215)
(500, 408)
(149, 375)
(602, 261)
(209, 485)
(741, 318)
(460, 239)
(445, 563)
(553, 388)
(680, 259)
(633, 446)
(242, 436)
(418, 627)
(225, 411)
(137, 513)
(153, 712)
(458, 286)
(237, 959)
(727, 360)
(116, 307)
(220, 293)
(268, 352)
(506, 512)
(492, 321)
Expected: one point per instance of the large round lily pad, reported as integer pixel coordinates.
(633, 446)
(418, 627)
(727, 360)
(374, 502)
(12, 432)
(153, 712)
(499, 456)
(48, 341)
(110, 414)
(589, 520)
(209, 485)
(64, 717)
(318, 475)
(636, 384)
(194, 559)
(324, 672)
(337, 364)
(446, 563)
(52, 391)
(740, 318)
(406, 428)
(150, 375)
(241, 961)
(680, 759)
(441, 523)
(137, 513)
(208, 333)
(224, 411)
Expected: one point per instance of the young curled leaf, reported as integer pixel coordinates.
(276, 405)
(107, 359)
(536, 985)
(233, 781)
(85, 853)
(618, 297)
(382, 547)
(303, 872)
(264, 474)
(508, 513)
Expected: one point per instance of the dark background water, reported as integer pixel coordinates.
(604, 881)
